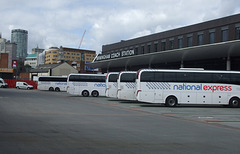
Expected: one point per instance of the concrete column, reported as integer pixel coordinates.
(149, 66)
(228, 63)
(182, 65)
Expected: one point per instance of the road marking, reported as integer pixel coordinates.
(213, 121)
(205, 117)
(216, 121)
(168, 113)
(3, 97)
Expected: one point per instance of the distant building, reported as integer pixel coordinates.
(69, 55)
(38, 51)
(20, 37)
(8, 48)
(75, 57)
(31, 60)
(11, 49)
(2, 43)
(60, 69)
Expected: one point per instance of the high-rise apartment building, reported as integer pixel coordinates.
(20, 37)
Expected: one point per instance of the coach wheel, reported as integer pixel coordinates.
(57, 89)
(234, 102)
(95, 93)
(85, 93)
(51, 89)
(171, 101)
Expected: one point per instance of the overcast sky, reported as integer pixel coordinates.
(63, 22)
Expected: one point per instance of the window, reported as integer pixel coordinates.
(155, 47)
(147, 77)
(86, 78)
(142, 49)
(224, 34)
(113, 78)
(149, 48)
(171, 44)
(237, 32)
(163, 45)
(128, 77)
(235, 79)
(189, 41)
(56, 79)
(211, 36)
(180, 42)
(136, 50)
(200, 39)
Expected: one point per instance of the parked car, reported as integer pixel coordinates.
(3, 84)
(23, 85)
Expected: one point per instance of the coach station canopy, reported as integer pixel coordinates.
(203, 52)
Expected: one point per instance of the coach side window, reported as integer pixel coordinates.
(235, 79)
(113, 77)
(147, 76)
(169, 77)
(221, 78)
(185, 77)
(203, 77)
(128, 77)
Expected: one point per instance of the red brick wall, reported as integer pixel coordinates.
(4, 60)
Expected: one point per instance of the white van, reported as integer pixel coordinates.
(3, 84)
(23, 85)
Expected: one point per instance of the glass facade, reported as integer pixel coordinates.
(20, 37)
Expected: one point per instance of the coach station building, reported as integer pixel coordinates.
(212, 45)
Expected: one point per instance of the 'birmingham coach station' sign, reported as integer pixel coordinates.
(115, 55)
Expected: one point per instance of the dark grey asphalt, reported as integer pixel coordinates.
(33, 121)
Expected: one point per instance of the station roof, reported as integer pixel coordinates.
(203, 52)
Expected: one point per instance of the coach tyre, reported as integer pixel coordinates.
(95, 93)
(171, 101)
(85, 93)
(234, 102)
(51, 89)
(57, 89)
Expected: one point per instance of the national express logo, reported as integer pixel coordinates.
(185, 86)
(99, 85)
(198, 87)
